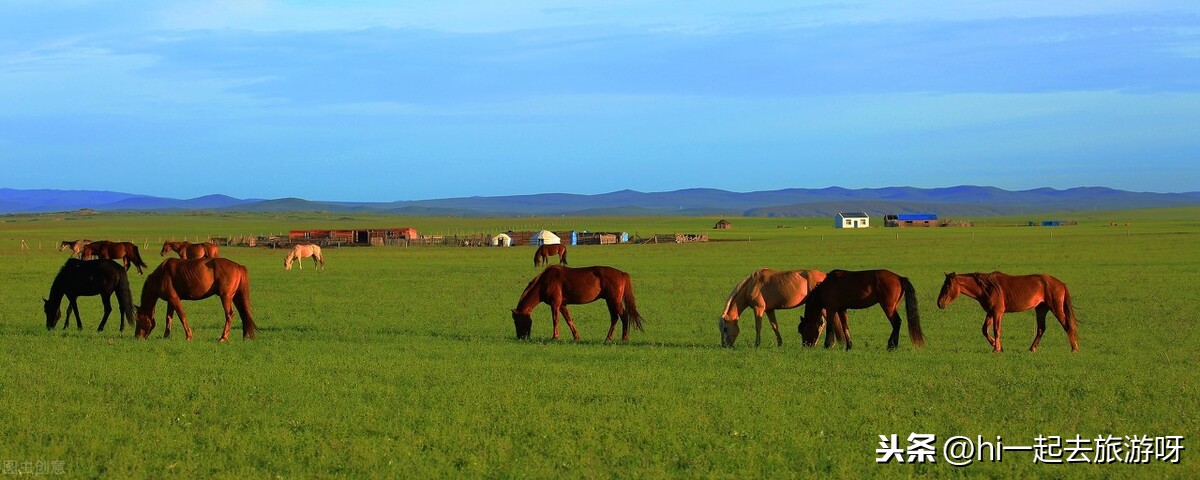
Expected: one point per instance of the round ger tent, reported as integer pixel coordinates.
(502, 240)
(545, 237)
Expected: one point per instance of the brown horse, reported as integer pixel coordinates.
(175, 280)
(76, 246)
(998, 293)
(559, 286)
(765, 290)
(124, 251)
(300, 252)
(189, 251)
(544, 252)
(844, 290)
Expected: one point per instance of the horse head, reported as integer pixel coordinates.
(287, 263)
(949, 291)
(812, 323)
(145, 323)
(53, 313)
(524, 324)
(729, 331)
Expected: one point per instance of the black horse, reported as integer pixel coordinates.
(87, 278)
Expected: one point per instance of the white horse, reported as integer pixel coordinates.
(300, 252)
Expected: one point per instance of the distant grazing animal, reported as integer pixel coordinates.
(124, 251)
(998, 293)
(559, 286)
(176, 279)
(188, 251)
(843, 290)
(85, 278)
(765, 290)
(300, 252)
(544, 252)
(76, 246)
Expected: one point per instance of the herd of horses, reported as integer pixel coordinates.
(198, 273)
(826, 297)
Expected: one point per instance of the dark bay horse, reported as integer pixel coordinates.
(765, 291)
(544, 252)
(843, 290)
(76, 246)
(190, 250)
(124, 251)
(175, 280)
(85, 278)
(559, 286)
(998, 293)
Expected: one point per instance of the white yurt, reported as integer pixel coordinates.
(544, 237)
(501, 240)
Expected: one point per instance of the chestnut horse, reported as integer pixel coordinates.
(175, 280)
(559, 286)
(765, 290)
(544, 252)
(300, 252)
(85, 278)
(76, 246)
(998, 293)
(844, 290)
(124, 251)
(188, 251)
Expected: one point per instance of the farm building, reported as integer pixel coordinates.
(544, 237)
(911, 220)
(501, 240)
(599, 238)
(852, 220)
(370, 236)
(723, 224)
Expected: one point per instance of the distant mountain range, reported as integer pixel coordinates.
(958, 201)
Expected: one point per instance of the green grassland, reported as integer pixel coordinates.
(402, 362)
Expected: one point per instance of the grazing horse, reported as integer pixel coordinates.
(175, 280)
(544, 252)
(124, 251)
(189, 251)
(766, 290)
(300, 252)
(85, 278)
(844, 290)
(76, 246)
(559, 286)
(998, 293)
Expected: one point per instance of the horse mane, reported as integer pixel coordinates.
(532, 282)
(736, 289)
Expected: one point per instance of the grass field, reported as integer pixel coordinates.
(402, 363)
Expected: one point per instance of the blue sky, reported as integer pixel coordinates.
(369, 101)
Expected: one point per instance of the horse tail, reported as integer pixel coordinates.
(914, 316)
(125, 299)
(137, 258)
(1069, 310)
(241, 300)
(631, 312)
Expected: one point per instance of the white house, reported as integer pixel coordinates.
(502, 240)
(852, 220)
(545, 237)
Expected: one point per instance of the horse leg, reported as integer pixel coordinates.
(107, 310)
(844, 325)
(174, 303)
(554, 318)
(894, 317)
(227, 303)
(70, 308)
(996, 331)
(775, 326)
(570, 323)
(833, 329)
(613, 314)
(75, 307)
(167, 321)
(1041, 325)
(987, 324)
